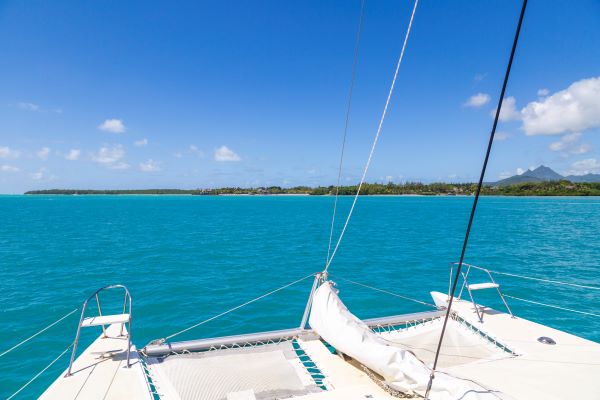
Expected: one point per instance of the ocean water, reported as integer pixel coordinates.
(186, 258)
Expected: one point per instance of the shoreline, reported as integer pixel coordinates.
(287, 195)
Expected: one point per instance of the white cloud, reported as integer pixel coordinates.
(479, 77)
(587, 166)
(141, 143)
(580, 149)
(9, 168)
(7, 152)
(111, 157)
(569, 144)
(28, 106)
(38, 175)
(178, 155)
(194, 149)
(150, 166)
(112, 125)
(477, 100)
(509, 111)
(543, 92)
(43, 153)
(575, 109)
(119, 165)
(505, 174)
(520, 171)
(224, 153)
(73, 155)
(501, 136)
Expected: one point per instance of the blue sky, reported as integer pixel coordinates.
(188, 94)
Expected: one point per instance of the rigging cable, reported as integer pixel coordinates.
(476, 199)
(37, 333)
(549, 281)
(376, 139)
(348, 107)
(383, 291)
(552, 306)
(235, 308)
(39, 373)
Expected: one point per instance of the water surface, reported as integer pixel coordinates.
(186, 258)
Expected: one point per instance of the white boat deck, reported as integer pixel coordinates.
(101, 372)
(569, 369)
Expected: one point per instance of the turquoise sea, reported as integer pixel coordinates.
(186, 258)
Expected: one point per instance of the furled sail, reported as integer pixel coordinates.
(401, 370)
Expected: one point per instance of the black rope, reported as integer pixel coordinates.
(476, 199)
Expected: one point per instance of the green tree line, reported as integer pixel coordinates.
(553, 188)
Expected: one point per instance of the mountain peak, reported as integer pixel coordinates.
(543, 168)
(539, 174)
(543, 173)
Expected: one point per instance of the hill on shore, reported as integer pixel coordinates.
(546, 174)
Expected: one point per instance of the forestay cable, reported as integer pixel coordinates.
(477, 193)
(376, 139)
(348, 107)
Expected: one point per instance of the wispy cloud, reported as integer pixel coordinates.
(480, 76)
(141, 143)
(477, 100)
(7, 152)
(113, 126)
(569, 144)
(195, 150)
(39, 175)
(150, 166)
(9, 168)
(28, 106)
(586, 166)
(73, 155)
(543, 92)
(508, 174)
(501, 136)
(43, 153)
(23, 105)
(111, 157)
(224, 154)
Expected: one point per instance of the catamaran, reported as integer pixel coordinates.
(461, 349)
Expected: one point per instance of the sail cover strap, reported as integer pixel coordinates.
(401, 370)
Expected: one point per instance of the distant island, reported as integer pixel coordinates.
(542, 181)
